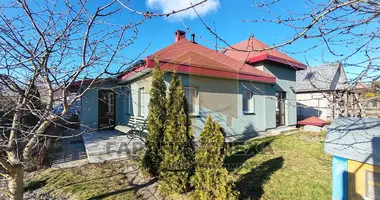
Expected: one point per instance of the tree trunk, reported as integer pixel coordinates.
(16, 183)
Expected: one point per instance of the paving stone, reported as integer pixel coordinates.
(108, 145)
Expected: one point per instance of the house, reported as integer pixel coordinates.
(316, 87)
(354, 144)
(246, 96)
(362, 88)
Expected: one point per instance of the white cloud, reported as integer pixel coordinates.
(167, 6)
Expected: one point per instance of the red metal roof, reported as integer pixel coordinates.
(185, 56)
(315, 121)
(256, 56)
(360, 85)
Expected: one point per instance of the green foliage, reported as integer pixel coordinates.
(211, 179)
(155, 123)
(178, 148)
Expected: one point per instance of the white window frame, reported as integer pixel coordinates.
(141, 101)
(195, 111)
(250, 102)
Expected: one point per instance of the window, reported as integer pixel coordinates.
(192, 100)
(248, 102)
(309, 75)
(141, 102)
(128, 102)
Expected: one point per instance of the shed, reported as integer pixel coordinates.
(354, 144)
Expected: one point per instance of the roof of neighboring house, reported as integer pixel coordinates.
(355, 139)
(85, 82)
(256, 56)
(326, 77)
(361, 86)
(185, 56)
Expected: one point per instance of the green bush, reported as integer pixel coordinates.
(211, 179)
(178, 149)
(155, 124)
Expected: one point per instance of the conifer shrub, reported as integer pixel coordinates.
(155, 122)
(211, 179)
(177, 165)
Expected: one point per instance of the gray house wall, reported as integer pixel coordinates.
(220, 98)
(285, 82)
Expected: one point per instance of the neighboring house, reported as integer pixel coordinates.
(354, 144)
(362, 88)
(316, 87)
(246, 96)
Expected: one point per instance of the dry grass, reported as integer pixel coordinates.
(93, 181)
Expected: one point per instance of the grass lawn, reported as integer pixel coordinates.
(93, 181)
(282, 167)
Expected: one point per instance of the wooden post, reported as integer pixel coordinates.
(345, 102)
(333, 105)
(361, 109)
(352, 111)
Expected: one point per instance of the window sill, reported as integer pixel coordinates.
(249, 113)
(193, 115)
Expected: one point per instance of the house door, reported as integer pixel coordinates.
(280, 108)
(106, 109)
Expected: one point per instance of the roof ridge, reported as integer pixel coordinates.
(208, 49)
(251, 56)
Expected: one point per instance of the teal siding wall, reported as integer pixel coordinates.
(286, 81)
(89, 112)
(126, 108)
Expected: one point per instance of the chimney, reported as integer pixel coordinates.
(178, 35)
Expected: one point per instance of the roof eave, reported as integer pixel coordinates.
(195, 70)
(263, 57)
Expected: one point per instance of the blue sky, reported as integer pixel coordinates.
(228, 16)
(229, 26)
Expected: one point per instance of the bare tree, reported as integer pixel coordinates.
(51, 44)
